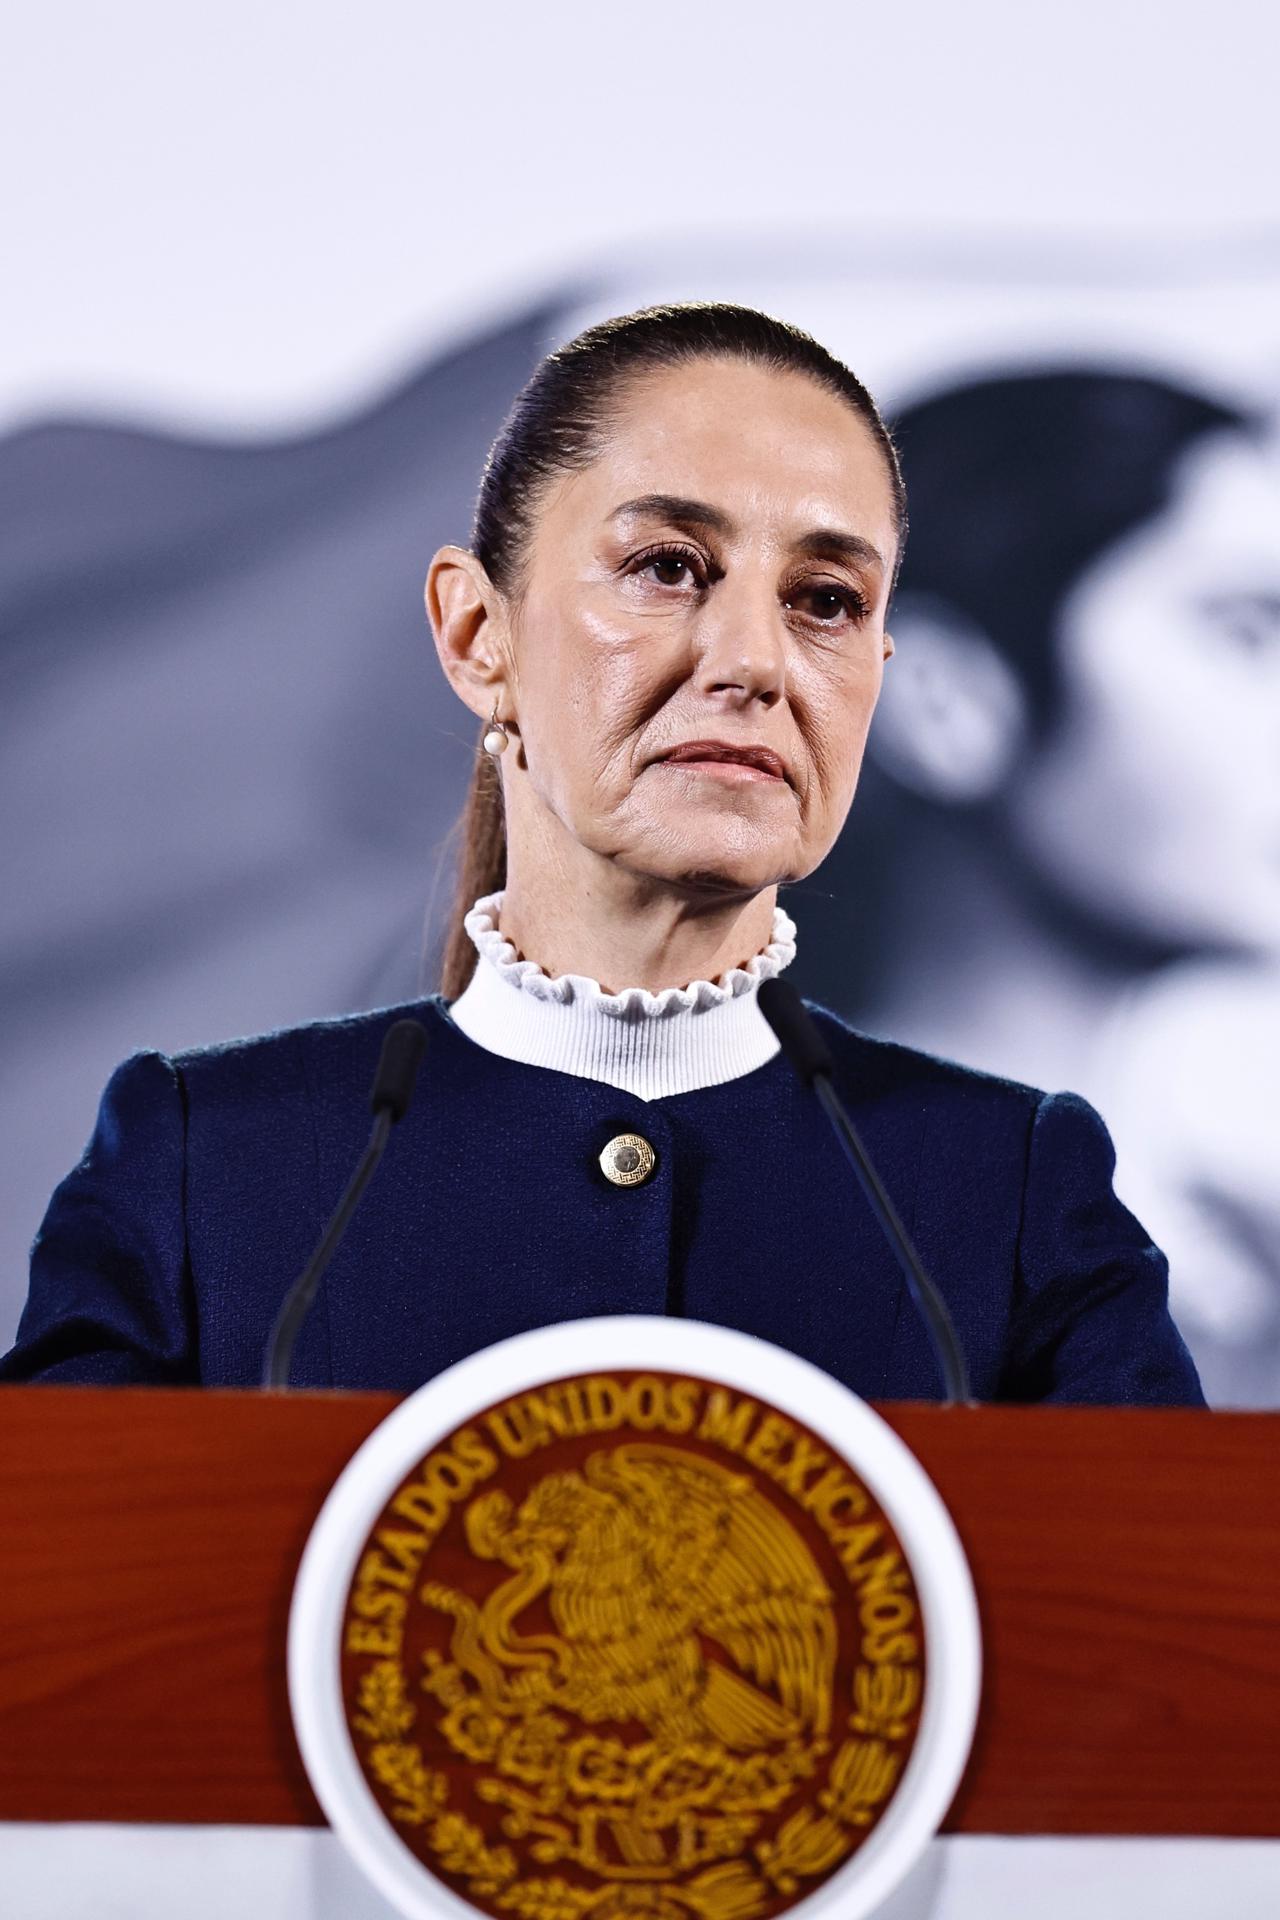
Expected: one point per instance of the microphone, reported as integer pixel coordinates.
(398, 1064)
(809, 1055)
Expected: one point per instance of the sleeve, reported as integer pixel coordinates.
(109, 1302)
(1090, 1321)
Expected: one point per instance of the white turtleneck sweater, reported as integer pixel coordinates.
(648, 1044)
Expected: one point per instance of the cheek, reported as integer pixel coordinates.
(590, 683)
(833, 710)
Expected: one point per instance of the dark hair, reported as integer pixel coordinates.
(559, 424)
(1019, 484)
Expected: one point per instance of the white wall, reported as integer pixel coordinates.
(242, 214)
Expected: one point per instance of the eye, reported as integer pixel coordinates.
(826, 603)
(670, 566)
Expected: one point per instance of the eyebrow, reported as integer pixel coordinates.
(696, 515)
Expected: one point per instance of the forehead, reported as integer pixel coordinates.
(775, 451)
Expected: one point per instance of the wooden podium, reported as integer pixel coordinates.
(1127, 1566)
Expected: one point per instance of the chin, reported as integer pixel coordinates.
(714, 855)
(737, 886)
(702, 870)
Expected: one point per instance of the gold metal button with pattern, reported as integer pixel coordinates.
(628, 1160)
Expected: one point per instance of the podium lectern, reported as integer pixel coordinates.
(1127, 1565)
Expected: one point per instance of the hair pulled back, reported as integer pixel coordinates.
(558, 425)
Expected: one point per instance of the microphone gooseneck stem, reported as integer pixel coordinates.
(297, 1302)
(930, 1304)
(403, 1046)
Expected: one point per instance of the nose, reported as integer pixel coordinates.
(740, 642)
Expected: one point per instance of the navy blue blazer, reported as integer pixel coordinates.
(165, 1254)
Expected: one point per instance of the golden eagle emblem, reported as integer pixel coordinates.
(682, 1603)
(646, 1556)
(625, 1689)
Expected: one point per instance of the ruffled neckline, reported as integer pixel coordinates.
(631, 1003)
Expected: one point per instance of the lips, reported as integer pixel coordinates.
(725, 752)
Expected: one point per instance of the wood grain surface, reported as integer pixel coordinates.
(1127, 1566)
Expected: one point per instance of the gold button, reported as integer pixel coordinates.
(627, 1160)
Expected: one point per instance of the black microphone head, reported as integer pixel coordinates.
(797, 1032)
(402, 1052)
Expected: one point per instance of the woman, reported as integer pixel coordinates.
(1076, 766)
(671, 625)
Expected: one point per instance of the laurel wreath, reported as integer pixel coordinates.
(811, 1842)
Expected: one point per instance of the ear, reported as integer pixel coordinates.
(468, 620)
(952, 714)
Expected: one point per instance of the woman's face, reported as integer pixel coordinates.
(699, 644)
(1157, 801)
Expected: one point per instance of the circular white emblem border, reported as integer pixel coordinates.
(638, 1342)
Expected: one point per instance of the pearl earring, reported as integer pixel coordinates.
(495, 739)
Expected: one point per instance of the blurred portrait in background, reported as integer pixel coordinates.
(1067, 859)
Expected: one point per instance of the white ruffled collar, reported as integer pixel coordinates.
(649, 1044)
(632, 1002)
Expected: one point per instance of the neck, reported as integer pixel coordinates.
(628, 930)
(676, 1040)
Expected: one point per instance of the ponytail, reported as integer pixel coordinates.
(482, 868)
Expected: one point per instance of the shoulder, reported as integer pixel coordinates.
(313, 1052)
(967, 1111)
(870, 1066)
